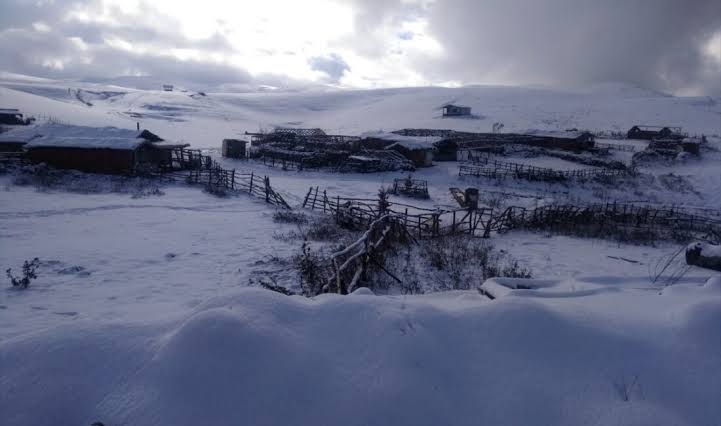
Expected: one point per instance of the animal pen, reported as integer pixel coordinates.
(416, 222)
(197, 168)
(484, 166)
(416, 188)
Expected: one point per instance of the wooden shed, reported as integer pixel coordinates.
(12, 116)
(421, 155)
(98, 150)
(450, 110)
(234, 148)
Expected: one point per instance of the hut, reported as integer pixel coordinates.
(450, 110)
(419, 154)
(652, 132)
(168, 87)
(100, 150)
(234, 148)
(12, 116)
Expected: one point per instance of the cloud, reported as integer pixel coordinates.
(332, 65)
(652, 43)
(659, 44)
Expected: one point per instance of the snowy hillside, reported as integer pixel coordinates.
(205, 119)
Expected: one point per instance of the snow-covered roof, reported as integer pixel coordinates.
(422, 141)
(68, 136)
(410, 145)
(9, 111)
(565, 134)
(454, 105)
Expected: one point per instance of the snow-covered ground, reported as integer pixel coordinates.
(146, 310)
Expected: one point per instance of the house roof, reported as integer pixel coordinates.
(9, 111)
(67, 136)
(410, 145)
(454, 105)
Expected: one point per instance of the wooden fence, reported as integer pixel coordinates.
(202, 169)
(416, 222)
(611, 217)
(484, 166)
(350, 265)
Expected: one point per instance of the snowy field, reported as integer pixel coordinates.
(147, 310)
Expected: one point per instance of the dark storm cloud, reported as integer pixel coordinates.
(653, 43)
(332, 65)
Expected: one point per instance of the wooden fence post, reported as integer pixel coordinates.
(250, 188)
(266, 179)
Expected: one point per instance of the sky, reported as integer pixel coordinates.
(672, 46)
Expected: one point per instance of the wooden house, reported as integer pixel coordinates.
(99, 150)
(450, 110)
(12, 116)
(234, 148)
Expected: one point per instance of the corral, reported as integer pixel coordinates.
(313, 149)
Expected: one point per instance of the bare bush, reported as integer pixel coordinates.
(290, 216)
(29, 268)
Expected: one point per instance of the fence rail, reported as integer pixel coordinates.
(202, 169)
(609, 217)
(484, 166)
(417, 222)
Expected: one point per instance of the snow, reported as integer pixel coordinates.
(63, 135)
(147, 310)
(256, 357)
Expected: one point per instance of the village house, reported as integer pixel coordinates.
(99, 150)
(13, 117)
(450, 110)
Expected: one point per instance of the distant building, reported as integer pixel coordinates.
(234, 148)
(12, 116)
(450, 110)
(168, 87)
(653, 132)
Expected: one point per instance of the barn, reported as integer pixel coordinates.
(12, 116)
(450, 110)
(420, 154)
(93, 149)
(652, 132)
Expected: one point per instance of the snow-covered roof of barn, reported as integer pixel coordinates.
(411, 145)
(562, 134)
(407, 141)
(68, 136)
